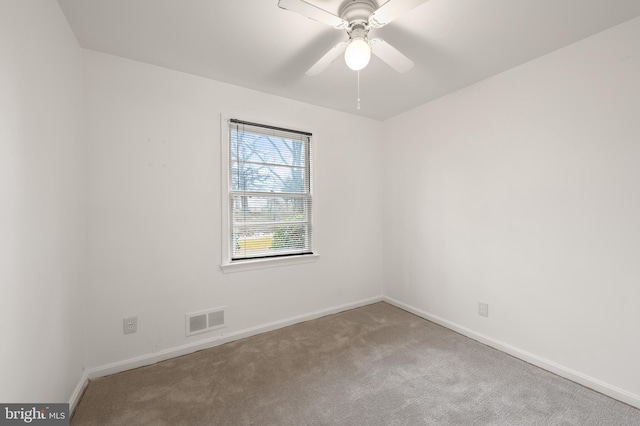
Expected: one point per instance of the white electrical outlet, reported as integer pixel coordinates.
(483, 309)
(130, 325)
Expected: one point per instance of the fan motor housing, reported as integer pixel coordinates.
(357, 10)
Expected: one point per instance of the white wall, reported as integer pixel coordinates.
(153, 137)
(41, 204)
(523, 191)
(518, 191)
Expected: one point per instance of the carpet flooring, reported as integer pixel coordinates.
(375, 365)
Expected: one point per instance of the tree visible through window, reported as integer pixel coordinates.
(270, 191)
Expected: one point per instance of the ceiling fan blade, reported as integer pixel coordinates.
(327, 59)
(390, 55)
(313, 12)
(391, 10)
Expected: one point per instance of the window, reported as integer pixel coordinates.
(269, 190)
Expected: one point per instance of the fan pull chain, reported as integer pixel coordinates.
(358, 89)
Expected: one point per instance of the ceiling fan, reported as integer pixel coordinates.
(357, 17)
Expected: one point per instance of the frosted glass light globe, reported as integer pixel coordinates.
(358, 54)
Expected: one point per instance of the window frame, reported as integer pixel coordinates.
(237, 265)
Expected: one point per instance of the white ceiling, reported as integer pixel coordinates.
(255, 44)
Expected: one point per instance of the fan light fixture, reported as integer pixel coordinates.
(358, 54)
(356, 18)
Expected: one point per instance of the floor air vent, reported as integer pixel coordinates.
(204, 321)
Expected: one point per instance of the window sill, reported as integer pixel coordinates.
(250, 265)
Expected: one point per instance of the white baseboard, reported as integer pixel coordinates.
(567, 373)
(77, 392)
(129, 364)
(163, 355)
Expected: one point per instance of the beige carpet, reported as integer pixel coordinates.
(376, 365)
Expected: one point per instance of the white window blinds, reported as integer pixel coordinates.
(270, 198)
